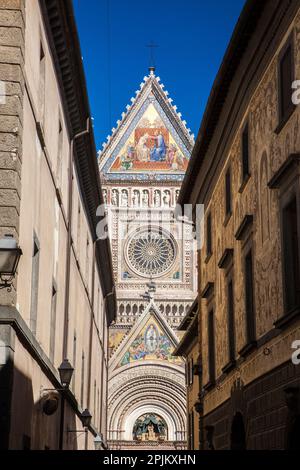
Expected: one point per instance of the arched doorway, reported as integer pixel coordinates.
(238, 433)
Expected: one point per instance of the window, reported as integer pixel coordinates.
(249, 297)
(228, 192)
(42, 83)
(231, 324)
(191, 431)
(286, 75)
(211, 346)
(291, 256)
(34, 284)
(191, 372)
(78, 226)
(82, 379)
(87, 262)
(187, 372)
(208, 236)
(98, 407)
(74, 359)
(53, 322)
(286, 179)
(59, 153)
(95, 390)
(245, 152)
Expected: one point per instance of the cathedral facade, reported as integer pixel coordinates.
(142, 166)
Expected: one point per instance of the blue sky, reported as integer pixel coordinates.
(192, 36)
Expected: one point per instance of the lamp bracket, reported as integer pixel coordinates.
(6, 282)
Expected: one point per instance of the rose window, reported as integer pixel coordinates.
(151, 253)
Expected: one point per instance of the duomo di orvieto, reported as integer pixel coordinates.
(142, 166)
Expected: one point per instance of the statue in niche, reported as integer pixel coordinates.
(145, 199)
(124, 198)
(136, 198)
(115, 197)
(104, 192)
(157, 202)
(167, 198)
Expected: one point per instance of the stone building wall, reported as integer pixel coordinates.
(270, 362)
(35, 138)
(268, 150)
(12, 49)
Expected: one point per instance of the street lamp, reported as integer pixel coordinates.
(86, 418)
(9, 258)
(65, 373)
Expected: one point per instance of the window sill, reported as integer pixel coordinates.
(41, 134)
(244, 183)
(227, 218)
(288, 318)
(209, 386)
(284, 120)
(248, 348)
(229, 366)
(226, 258)
(207, 258)
(208, 290)
(245, 224)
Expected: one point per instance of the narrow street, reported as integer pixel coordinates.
(149, 266)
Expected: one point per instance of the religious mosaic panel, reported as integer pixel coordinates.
(150, 344)
(150, 147)
(150, 427)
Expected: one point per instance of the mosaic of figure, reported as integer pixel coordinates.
(149, 427)
(150, 147)
(151, 343)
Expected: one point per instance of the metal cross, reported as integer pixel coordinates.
(152, 46)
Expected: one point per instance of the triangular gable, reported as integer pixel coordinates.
(151, 140)
(150, 339)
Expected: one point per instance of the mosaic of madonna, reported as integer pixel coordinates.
(150, 147)
(150, 344)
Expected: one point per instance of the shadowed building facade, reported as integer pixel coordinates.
(142, 166)
(245, 170)
(62, 298)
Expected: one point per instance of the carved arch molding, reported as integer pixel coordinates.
(161, 391)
